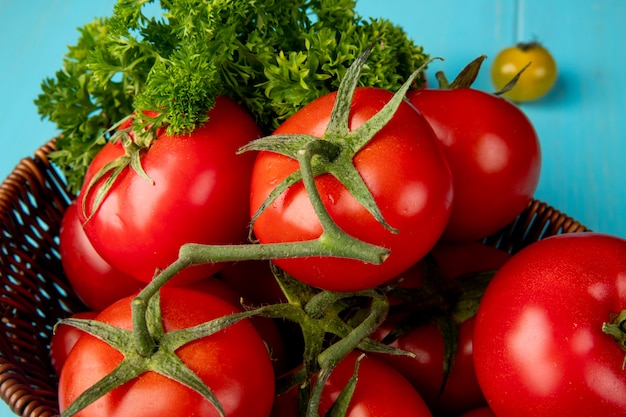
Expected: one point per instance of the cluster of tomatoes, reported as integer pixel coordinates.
(449, 168)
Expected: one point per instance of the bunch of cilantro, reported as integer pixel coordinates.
(272, 56)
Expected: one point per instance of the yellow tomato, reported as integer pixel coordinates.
(535, 81)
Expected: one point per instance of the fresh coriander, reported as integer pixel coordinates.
(273, 57)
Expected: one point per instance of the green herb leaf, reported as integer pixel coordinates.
(273, 57)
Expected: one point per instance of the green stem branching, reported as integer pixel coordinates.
(333, 242)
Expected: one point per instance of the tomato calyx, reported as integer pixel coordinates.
(134, 147)
(468, 75)
(526, 46)
(158, 357)
(464, 79)
(446, 303)
(616, 328)
(333, 325)
(338, 145)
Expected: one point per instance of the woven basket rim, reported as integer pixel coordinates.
(34, 293)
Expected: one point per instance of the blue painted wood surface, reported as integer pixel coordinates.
(580, 123)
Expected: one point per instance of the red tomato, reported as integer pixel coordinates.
(493, 152)
(380, 392)
(234, 364)
(64, 338)
(402, 167)
(200, 195)
(94, 280)
(425, 370)
(539, 348)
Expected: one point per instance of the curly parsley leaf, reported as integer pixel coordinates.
(272, 56)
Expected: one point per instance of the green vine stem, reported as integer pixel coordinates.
(617, 329)
(318, 313)
(332, 242)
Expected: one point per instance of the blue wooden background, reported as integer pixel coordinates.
(580, 123)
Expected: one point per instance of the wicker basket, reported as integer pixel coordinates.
(34, 293)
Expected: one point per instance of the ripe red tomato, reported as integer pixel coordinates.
(539, 348)
(402, 167)
(233, 363)
(426, 341)
(63, 340)
(380, 392)
(425, 370)
(94, 280)
(493, 152)
(265, 326)
(200, 195)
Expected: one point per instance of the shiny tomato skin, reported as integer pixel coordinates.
(380, 392)
(536, 80)
(200, 195)
(96, 283)
(493, 152)
(64, 338)
(265, 326)
(539, 348)
(234, 363)
(402, 166)
(425, 370)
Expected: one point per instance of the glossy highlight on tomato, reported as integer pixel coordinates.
(494, 154)
(96, 283)
(404, 170)
(539, 345)
(64, 338)
(380, 392)
(233, 363)
(200, 195)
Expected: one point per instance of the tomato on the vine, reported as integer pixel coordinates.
(199, 194)
(425, 371)
(540, 347)
(96, 283)
(454, 262)
(380, 392)
(403, 168)
(63, 340)
(536, 80)
(233, 363)
(493, 152)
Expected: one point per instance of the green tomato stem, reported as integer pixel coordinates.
(333, 242)
(617, 329)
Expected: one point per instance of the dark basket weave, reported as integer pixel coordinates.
(34, 293)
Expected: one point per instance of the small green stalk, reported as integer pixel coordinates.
(333, 242)
(617, 329)
(149, 348)
(338, 159)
